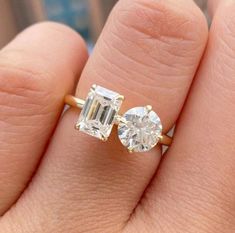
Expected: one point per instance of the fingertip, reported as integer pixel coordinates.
(53, 27)
(51, 40)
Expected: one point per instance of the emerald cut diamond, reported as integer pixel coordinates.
(99, 111)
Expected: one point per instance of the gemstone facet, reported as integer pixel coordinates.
(99, 111)
(140, 129)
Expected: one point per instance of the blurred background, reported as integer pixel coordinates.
(85, 16)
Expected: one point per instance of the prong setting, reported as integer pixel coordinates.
(119, 119)
(103, 138)
(130, 150)
(93, 87)
(121, 97)
(139, 129)
(77, 126)
(149, 108)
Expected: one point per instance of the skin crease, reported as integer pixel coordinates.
(82, 185)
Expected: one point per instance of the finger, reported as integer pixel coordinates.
(195, 184)
(101, 181)
(35, 74)
(212, 6)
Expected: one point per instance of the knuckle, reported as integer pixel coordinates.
(162, 20)
(24, 91)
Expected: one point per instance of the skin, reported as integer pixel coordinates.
(56, 179)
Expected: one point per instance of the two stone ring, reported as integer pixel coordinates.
(139, 129)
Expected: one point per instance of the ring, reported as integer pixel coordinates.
(139, 129)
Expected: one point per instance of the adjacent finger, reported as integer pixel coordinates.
(36, 70)
(195, 184)
(212, 6)
(149, 52)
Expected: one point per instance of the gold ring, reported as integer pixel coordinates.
(139, 129)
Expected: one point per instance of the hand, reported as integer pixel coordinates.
(72, 183)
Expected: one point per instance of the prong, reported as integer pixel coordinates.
(77, 126)
(121, 97)
(130, 150)
(93, 87)
(149, 108)
(119, 119)
(160, 137)
(103, 138)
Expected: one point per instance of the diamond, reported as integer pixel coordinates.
(99, 112)
(140, 129)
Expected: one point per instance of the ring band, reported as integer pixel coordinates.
(139, 129)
